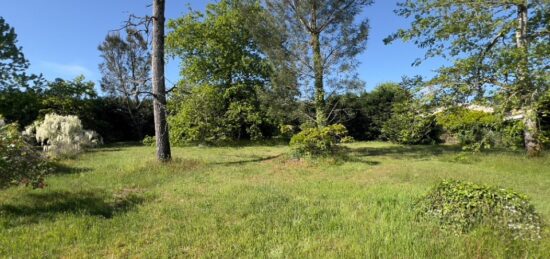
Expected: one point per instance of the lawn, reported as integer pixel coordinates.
(255, 201)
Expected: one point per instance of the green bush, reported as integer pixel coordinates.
(318, 141)
(475, 130)
(411, 124)
(463, 206)
(20, 163)
(149, 141)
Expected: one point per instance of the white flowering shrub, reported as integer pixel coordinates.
(62, 136)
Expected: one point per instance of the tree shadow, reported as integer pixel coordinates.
(59, 168)
(254, 159)
(406, 152)
(35, 207)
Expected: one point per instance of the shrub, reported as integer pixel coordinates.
(318, 141)
(63, 135)
(20, 163)
(475, 130)
(411, 124)
(149, 141)
(463, 206)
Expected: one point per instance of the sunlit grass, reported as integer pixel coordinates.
(257, 202)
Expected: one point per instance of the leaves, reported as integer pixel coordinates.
(464, 206)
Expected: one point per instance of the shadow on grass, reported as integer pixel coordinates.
(253, 160)
(38, 206)
(406, 152)
(59, 168)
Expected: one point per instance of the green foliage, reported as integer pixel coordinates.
(12, 61)
(463, 206)
(20, 163)
(250, 202)
(410, 123)
(499, 51)
(68, 97)
(149, 141)
(318, 141)
(336, 34)
(479, 130)
(475, 130)
(199, 117)
(378, 106)
(225, 74)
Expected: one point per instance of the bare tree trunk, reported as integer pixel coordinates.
(159, 90)
(531, 131)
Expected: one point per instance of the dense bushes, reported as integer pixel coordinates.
(479, 130)
(463, 206)
(475, 130)
(20, 163)
(318, 141)
(410, 123)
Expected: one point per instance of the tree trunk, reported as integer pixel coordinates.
(320, 113)
(159, 90)
(531, 130)
(530, 133)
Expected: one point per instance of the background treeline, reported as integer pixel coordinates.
(249, 72)
(105, 114)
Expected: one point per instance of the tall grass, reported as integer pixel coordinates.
(254, 201)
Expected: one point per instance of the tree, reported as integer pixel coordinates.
(500, 52)
(411, 123)
(19, 93)
(12, 61)
(324, 40)
(200, 116)
(159, 90)
(68, 97)
(126, 72)
(218, 50)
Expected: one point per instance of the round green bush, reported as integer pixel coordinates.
(463, 206)
(149, 141)
(318, 141)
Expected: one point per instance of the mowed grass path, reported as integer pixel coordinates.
(256, 202)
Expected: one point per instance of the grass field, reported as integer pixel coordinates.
(257, 202)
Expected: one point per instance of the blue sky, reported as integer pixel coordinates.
(60, 37)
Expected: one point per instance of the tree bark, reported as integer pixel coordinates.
(159, 89)
(531, 129)
(320, 113)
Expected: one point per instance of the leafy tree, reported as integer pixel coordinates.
(198, 116)
(379, 103)
(126, 72)
(12, 61)
(68, 97)
(500, 52)
(324, 38)
(365, 114)
(19, 93)
(411, 123)
(217, 50)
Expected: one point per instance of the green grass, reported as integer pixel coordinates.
(256, 202)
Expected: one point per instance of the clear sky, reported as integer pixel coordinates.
(60, 37)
